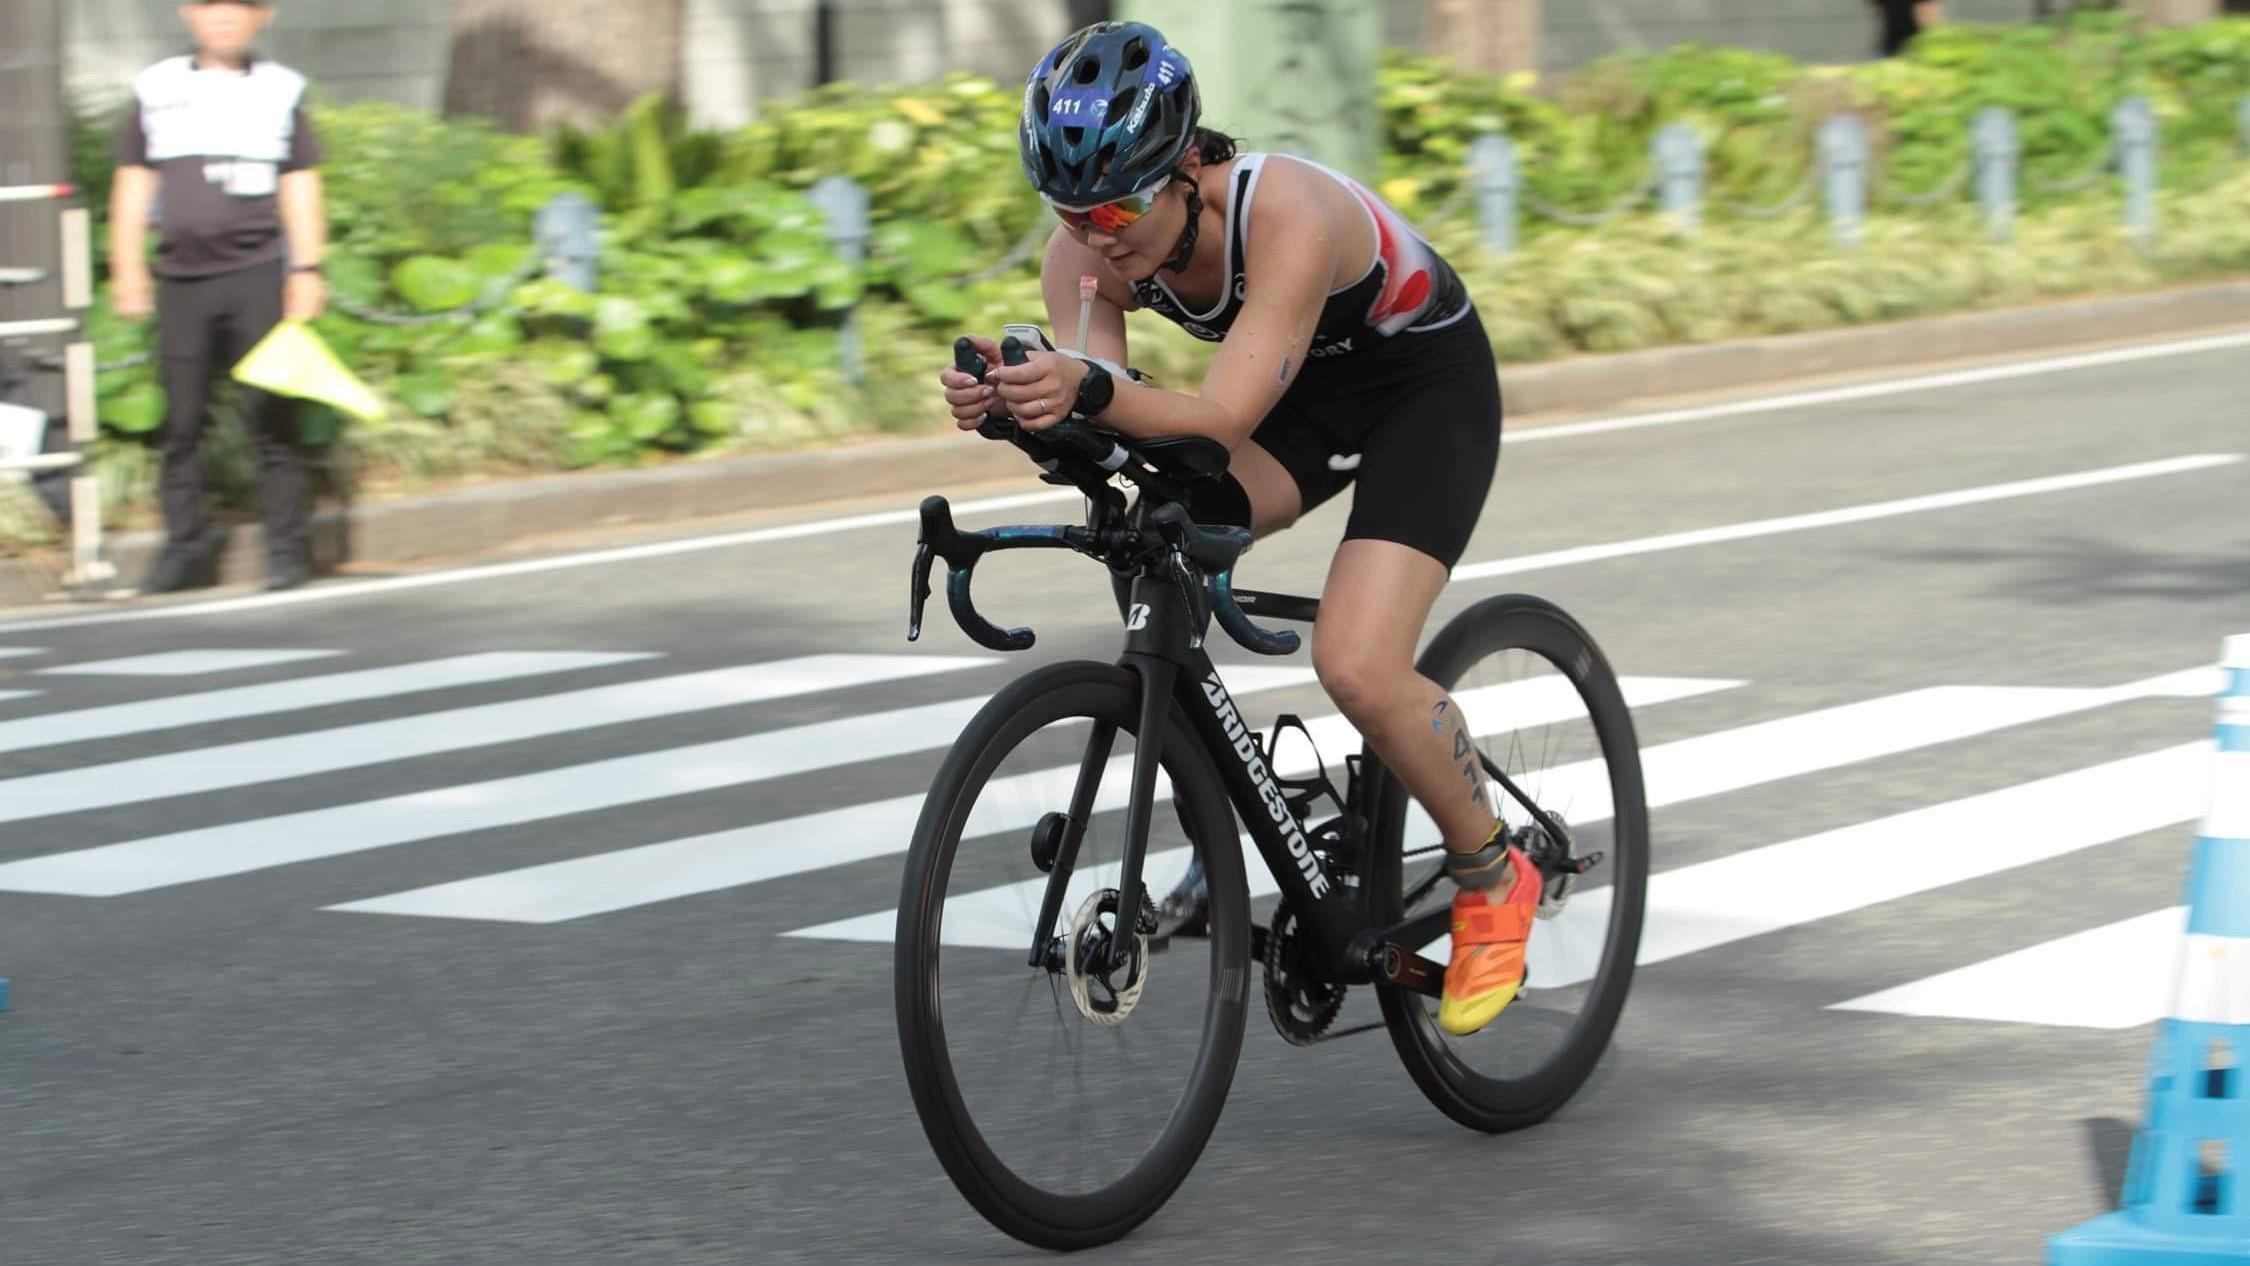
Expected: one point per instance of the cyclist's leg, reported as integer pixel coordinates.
(1425, 470)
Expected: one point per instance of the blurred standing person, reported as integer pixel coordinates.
(1902, 20)
(219, 140)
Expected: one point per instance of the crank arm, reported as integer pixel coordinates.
(1403, 969)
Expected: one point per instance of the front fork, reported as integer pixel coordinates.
(1158, 677)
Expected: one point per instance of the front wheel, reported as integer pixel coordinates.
(1067, 1097)
(1544, 707)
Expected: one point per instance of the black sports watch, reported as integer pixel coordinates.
(1095, 391)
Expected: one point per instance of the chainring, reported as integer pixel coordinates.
(1301, 1005)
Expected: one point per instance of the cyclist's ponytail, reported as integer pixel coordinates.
(1215, 146)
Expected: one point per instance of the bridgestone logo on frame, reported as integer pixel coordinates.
(1246, 751)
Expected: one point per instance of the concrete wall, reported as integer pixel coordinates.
(741, 52)
(738, 53)
(1576, 31)
(352, 48)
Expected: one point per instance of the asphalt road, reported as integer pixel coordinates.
(522, 1044)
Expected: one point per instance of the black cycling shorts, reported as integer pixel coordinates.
(1421, 415)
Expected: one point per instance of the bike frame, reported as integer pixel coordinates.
(1162, 650)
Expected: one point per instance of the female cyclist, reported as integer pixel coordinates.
(1348, 353)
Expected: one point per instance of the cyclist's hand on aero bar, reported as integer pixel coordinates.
(1041, 390)
(969, 399)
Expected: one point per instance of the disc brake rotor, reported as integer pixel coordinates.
(1093, 984)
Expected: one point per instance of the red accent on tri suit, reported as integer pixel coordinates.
(1398, 398)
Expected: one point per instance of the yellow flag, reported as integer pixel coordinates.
(293, 361)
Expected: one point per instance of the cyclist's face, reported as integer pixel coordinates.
(1134, 251)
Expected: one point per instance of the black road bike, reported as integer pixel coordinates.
(1069, 1047)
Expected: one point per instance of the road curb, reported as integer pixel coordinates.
(473, 520)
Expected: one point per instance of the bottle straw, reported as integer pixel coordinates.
(1086, 286)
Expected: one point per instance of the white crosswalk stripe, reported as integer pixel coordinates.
(1688, 769)
(772, 850)
(324, 751)
(205, 707)
(2111, 974)
(186, 663)
(2117, 976)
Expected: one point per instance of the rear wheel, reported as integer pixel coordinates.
(1066, 1099)
(1544, 707)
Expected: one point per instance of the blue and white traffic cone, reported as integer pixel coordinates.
(2187, 1187)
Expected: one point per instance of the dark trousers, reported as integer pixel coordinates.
(205, 325)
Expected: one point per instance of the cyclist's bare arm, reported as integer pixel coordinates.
(1292, 264)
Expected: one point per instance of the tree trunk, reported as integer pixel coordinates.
(1500, 36)
(34, 150)
(531, 63)
(2178, 12)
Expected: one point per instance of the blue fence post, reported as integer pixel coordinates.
(1493, 175)
(2133, 125)
(1843, 166)
(1678, 154)
(843, 201)
(567, 234)
(1996, 151)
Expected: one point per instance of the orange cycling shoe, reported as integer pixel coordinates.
(1487, 968)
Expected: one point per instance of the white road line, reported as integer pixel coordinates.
(6, 695)
(17, 652)
(322, 751)
(2119, 976)
(535, 566)
(888, 518)
(1849, 514)
(235, 848)
(1674, 773)
(1876, 390)
(638, 876)
(185, 663)
(205, 707)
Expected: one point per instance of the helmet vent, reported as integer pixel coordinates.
(1136, 53)
(1087, 70)
(1073, 135)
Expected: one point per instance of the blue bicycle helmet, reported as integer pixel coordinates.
(1106, 113)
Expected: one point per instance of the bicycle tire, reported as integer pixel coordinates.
(1049, 1219)
(1512, 622)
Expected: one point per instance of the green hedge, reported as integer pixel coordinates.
(717, 324)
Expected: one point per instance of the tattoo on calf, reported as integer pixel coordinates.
(1445, 717)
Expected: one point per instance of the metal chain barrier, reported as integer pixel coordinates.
(490, 299)
(54, 363)
(1794, 202)
(1462, 194)
(1590, 219)
(2085, 179)
(1018, 255)
(1946, 190)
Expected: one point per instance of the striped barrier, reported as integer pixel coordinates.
(2187, 1187)
(88, 570)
